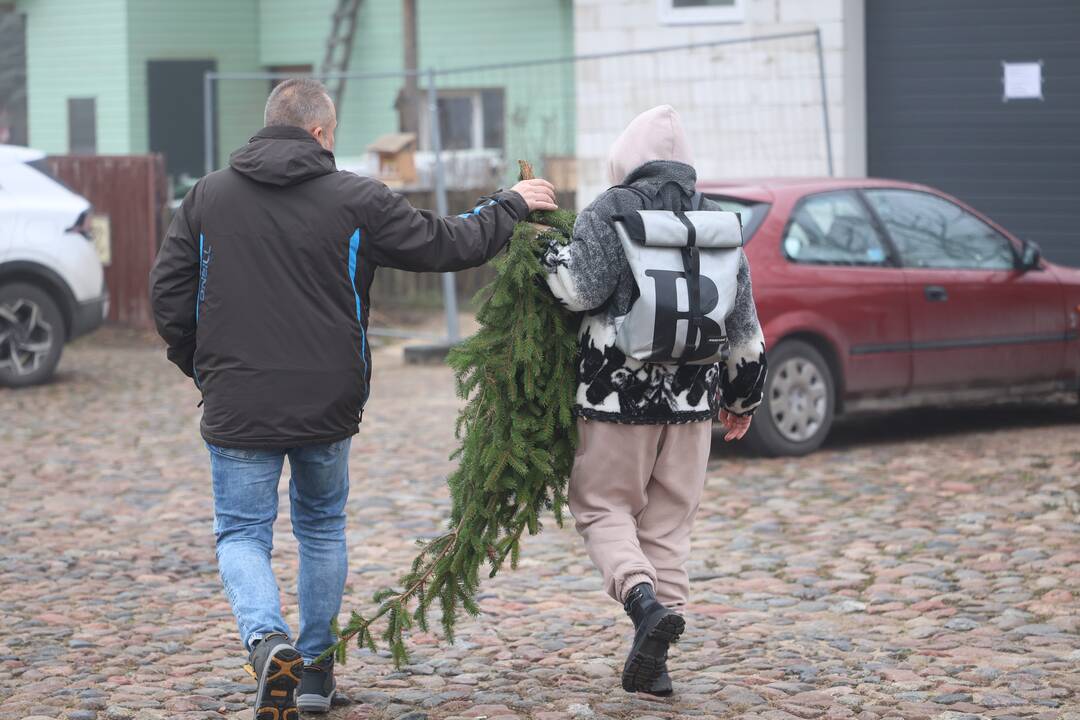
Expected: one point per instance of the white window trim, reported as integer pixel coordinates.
(671, 15)
(477, 104)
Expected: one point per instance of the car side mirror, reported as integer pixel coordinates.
(1030, 256)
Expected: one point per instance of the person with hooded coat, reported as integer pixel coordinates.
(645, 429)
(261, 291)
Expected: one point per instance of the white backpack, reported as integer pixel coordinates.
(686, 266)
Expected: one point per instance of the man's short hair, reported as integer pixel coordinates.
(300, 102)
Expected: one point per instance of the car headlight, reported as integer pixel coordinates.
(82, 224)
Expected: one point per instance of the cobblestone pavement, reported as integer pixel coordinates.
(926, 566)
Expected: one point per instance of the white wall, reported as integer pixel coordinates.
(853, 74)
(751, 109)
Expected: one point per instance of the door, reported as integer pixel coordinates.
(937, 112)
(975, 318)
(176, 113)
(841, 271)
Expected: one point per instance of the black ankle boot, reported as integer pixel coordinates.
(661, 686)
(656, 628)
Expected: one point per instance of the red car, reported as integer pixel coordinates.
(875, 294)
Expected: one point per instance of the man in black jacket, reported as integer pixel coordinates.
(261, 292)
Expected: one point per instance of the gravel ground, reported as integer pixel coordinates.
(925, 565)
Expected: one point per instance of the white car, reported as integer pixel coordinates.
(52, 286)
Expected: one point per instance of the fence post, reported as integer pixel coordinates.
(208, 123)
(453, 332)
(824, 103)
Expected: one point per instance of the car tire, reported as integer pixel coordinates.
(798, 403)
(32, 333)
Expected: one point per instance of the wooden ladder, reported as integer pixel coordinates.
(339, 47)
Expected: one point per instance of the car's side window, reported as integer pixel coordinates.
(833, 228)
(931, 232)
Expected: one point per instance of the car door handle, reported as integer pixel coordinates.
(935, 293)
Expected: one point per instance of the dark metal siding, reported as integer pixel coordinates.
(935, 113)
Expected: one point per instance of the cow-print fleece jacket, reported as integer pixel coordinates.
(591, 275)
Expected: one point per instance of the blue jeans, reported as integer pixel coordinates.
(245, 507)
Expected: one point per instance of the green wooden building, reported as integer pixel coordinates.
(126, 76)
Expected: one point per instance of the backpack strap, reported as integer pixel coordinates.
(692, 267)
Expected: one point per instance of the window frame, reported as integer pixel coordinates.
(293, 71)
(476, 113)
(477, 131)
(668, 14)
(892, 257)
(41, 165)
(902, 263)
(82, 138)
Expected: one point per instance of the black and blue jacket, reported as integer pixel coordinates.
(261, 287)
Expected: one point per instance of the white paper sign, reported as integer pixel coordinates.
(1022, 80)
(102, 235)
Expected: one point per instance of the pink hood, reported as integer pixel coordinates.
(655, 134)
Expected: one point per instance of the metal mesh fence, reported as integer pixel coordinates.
(751, 107)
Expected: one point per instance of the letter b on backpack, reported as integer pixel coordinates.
(674, 330)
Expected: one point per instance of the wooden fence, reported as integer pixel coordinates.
(399, 289)
(132, 191)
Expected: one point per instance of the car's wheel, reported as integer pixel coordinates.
(799, 399)
(32, 335)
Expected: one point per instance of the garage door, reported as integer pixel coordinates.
(937, 114)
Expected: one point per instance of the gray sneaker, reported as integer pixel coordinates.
(317, 688)
(278, 668)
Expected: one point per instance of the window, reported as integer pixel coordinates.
(695, 12)
(42, 166)
(751, 214)
(471, 119)
(298, 70)
(931, 232)
(833, 229)
(491, 103)
(82, 126)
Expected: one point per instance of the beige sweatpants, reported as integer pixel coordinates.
(633, 492)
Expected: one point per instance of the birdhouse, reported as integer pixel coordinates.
(396, 153)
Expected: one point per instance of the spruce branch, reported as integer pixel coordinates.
(516, 438)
